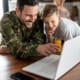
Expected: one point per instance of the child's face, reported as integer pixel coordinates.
(51, 23)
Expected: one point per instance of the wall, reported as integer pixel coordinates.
(1, 9)
(70, 4)
(12, 4)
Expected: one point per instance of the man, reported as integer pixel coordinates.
(58, 27)
(23, 32)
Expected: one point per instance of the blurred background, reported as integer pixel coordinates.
(72, 5)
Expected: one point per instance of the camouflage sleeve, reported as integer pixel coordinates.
(14, 43)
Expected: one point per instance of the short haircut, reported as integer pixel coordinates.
(21, 3)
(49, 9)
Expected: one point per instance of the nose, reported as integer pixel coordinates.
(50, 25)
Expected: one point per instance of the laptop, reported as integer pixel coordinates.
(54, 66)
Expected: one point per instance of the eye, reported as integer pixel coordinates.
(46, 23)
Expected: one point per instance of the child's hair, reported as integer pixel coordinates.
(49, 9)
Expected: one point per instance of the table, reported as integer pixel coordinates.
(9, 65)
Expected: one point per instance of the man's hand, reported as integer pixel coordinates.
(47, 49)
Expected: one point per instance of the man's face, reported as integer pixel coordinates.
(51, 23)
(28, 15)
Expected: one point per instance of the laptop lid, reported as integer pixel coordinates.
(54, 66)
(70, 56)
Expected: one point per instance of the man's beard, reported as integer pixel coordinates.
(29, 24)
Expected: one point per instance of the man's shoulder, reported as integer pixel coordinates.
(8, 18)
(8, 15)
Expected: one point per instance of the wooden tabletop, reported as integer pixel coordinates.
(9, 65)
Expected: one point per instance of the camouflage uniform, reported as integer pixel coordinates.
(21, 41)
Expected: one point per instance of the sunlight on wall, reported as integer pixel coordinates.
(12, 4)
(1, 9)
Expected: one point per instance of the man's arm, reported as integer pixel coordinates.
(19, 48)
(14, 42)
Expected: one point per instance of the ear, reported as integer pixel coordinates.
(59, 17)
(17, 11)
